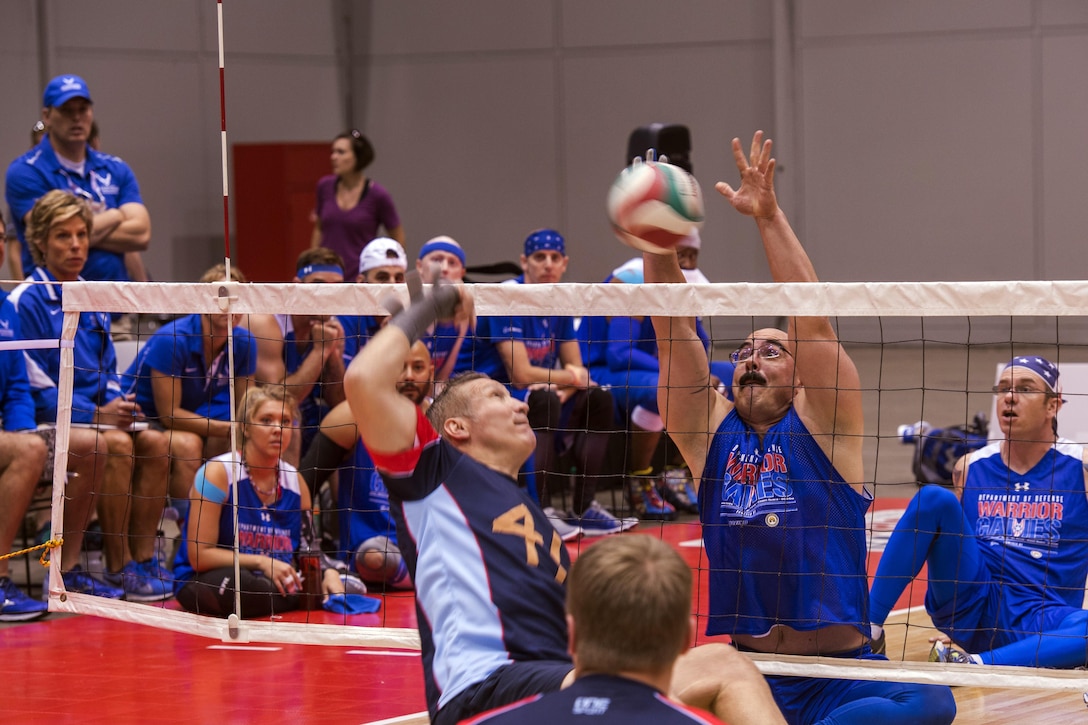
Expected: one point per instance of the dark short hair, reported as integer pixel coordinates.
(360, 146)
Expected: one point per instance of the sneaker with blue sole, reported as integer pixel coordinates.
(596, 521)
(142, 581)
(566, 531)
(77, 580)
(17, 606)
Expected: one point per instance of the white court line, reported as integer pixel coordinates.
(244, 648)
(420, 717)
(387, 652)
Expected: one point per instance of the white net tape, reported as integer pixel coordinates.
(1008, 305)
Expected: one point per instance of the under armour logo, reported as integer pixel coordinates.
(70, 84)
(1022, 486)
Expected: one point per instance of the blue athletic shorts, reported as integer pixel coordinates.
(508, 684)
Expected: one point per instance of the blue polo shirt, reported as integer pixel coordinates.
(177, 350)
(36, 309)
(107, 183)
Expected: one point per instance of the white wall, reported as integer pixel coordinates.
(932, 140)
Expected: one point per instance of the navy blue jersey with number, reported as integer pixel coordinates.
(487, 565)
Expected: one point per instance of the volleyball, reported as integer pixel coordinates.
(653, 205)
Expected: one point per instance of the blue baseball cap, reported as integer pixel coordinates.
(64, 88)
(545, 239)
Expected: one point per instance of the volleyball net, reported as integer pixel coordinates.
(925, 352)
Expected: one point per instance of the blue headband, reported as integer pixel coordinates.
(548, 239)
(443, 245)
(1046, 370)
(306, 271)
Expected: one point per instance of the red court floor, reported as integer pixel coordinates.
(86, 669)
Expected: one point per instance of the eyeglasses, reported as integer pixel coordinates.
(1017, 389)
(764, 351)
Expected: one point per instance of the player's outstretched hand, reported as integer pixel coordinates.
(755, 197)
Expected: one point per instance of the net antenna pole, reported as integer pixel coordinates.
(224, 300)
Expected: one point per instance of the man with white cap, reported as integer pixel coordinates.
(64, 160)
(1007, 547)
(382, 261)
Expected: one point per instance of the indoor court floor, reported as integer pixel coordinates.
(86, 669)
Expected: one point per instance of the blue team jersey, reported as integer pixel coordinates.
(784, 534)
(37, 310)
(16, 403)
(177, 350)
(487, 565)
(107, 183)
(273, 530)
(364, 504)
(313, 407)
(1032, 529)
(440, 342)
(542, 337)
(600, 699)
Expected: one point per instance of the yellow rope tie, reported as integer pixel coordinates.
(44, 560)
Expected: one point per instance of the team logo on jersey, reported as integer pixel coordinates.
(102, 185)
(1021, 520)
(757, 485)
(1025, 486)
(591, 706)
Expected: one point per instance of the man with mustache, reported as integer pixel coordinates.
(783, 510)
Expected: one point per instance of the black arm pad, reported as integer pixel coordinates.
(438, 305)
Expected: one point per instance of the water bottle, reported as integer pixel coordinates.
(309, 565)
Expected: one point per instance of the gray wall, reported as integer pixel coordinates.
(918, 140)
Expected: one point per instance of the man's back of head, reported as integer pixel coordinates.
(630, 601)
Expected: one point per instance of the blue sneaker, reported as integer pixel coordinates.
(79, 581)
(142, 581)
(17, 606)
(596, 521)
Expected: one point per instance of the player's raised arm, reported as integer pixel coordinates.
(688, 405)
(830, 395)
(386, 419)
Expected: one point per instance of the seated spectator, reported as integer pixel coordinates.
(539, 359)
(181, 379)
(22, 459)
(450, 344)
(304, 353)
(368, 533)
(621, 352)
(274, 517)
(629, 620)
(134, 485)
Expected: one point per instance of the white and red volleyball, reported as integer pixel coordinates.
(653, 205)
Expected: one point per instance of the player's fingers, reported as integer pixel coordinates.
(738, 156)
(753, 153)
(770, 172)
(725, 190)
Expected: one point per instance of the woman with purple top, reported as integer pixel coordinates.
(350, 206)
